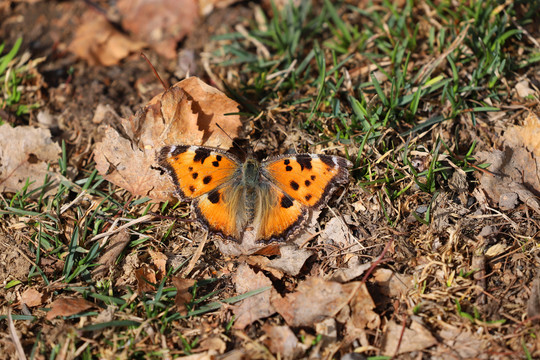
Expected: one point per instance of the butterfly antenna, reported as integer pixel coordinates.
(163, 83)
(233, 141)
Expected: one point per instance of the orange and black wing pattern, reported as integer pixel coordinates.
(197, 170)
(307, 178)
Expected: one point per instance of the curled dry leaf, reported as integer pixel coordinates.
(415, 338)
(146, 278)
(99, 43)
(186, 113)
(24, 154)
(160, 263)
(392, 284)
(362, 314)
(281, 340)
(31, 297)
(515, 171)
(183, 295)
(160, 23)
(255, 307)
(314, 300)
(68, 306)
(108, 257)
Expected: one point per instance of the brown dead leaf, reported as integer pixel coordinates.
(160, 262)
(354, 269)
(183, 295)
(515, 171)
(392, 284)
(146, 277)
(362, 314)
(533, 305)
(255, 307)
(68, 306)
(314, 300)
(212, 344)
(292, 259)
(281, 340)
(31, 297)
(24, 154)
(98, 42)
(415, 338)
(160, 23)
(461, 342)
(108, 257)
(336, 232)
(187, 113)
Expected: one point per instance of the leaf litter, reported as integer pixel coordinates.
(422, 270)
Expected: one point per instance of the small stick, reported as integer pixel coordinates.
(165, 86)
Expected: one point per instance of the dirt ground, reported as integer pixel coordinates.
(463, 285)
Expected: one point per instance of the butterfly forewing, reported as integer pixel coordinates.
(307, 178)
(197, 170)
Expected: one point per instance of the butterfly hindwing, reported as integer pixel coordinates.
(279, 216)
(197, 170)
(307, 178)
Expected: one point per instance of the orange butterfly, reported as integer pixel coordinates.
(275, 196)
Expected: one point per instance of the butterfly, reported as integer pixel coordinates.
(275, 197)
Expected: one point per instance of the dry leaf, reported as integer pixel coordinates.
(415, 338)
(31, 297)
(533, 305)
(146, 277)
(67, 307)
(160, 23)
(160, 262)
(354, 269)
(108, 257)
(213, 345)
(281, 340)
(186, 113)
(183, 295)
(336, 232)
(523, 89)
(254, 307)
(24, 154)
(291, 260)
(362, 314)
(314, 300)
(392, 284)
(515, 171)
(99, 43)
(461, 343)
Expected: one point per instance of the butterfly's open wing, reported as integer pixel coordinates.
(278, 216)
(307, 178)
(203, 174)
(197, 170)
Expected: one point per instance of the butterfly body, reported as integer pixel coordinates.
(274, 197)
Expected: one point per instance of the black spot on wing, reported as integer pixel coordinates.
(215, 163)
(307, 182)
(288, 168)
(213, 196)
(207, 179)
(195, 175)
(304, 161)
(313, 177)
(294, 185)
(218, 157)
(190, 169)
(192, 188)
(286, 202)
(286, 161)
(308, 197)
(201, 155)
